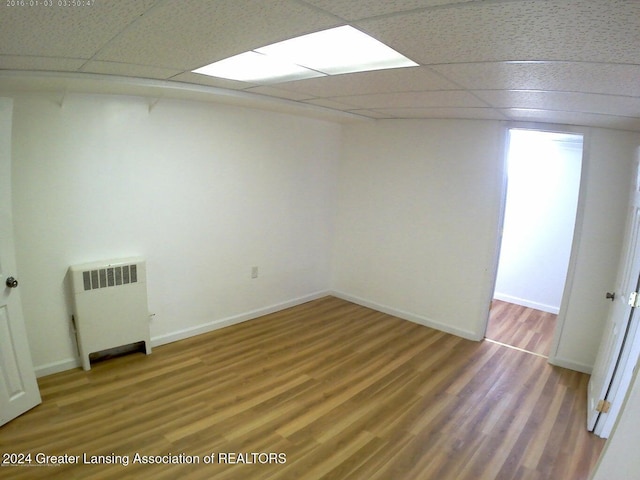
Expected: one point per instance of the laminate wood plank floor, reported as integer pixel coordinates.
(521, 327)
(324, 390)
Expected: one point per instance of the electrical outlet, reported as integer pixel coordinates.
(254, 272)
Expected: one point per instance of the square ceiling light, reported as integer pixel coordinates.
(329, 52)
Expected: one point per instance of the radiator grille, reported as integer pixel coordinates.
(110, 277)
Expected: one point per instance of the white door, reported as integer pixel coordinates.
(18, 387)
(618, 351)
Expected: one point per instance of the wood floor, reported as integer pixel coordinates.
(521, 327)
(326, 390)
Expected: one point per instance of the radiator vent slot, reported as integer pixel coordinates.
(110, 277)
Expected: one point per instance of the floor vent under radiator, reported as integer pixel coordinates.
(110, 305)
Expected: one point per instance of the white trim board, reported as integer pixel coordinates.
(570, 365)
(412, 317)
(70, 363)
(57, 367)
(526, 303)
(243, 317)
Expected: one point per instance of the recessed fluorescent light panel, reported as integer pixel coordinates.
(329, 52)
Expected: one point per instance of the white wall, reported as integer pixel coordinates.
(203, 191)
(541, 204)
(418, 210)
(416, 229)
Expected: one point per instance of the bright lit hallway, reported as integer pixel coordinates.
(344, 391)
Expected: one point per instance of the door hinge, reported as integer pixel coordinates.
(634, 300)
(603, 406)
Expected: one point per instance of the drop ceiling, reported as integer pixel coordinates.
(565, 61)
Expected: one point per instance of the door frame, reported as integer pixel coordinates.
(573, 258)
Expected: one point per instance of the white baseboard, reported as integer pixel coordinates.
(225, 322)
(564, 363)
(412, 317)
(57, 367)
(526, 303)
(70, 363)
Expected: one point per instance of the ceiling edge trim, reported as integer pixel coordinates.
(23, 81)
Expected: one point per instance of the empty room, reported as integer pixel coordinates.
(263, 239)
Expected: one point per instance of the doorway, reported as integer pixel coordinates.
(543, 185)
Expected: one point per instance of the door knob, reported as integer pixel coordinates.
(11, 282)
(610, 296)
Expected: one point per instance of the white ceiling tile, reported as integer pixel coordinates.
(323, 102)
(202, 32)
(128, 70)
(565, 76)
(579, 30)
(468, 113)
(15, 62)
(65, 32)
(371, 113)
(189, 77)
(577, 60)
(413, 100)
(573, 118)
(565, 101)
(278, 92)
(355, 10)
(399, 80)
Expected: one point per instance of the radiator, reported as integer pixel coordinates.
(110, 306)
